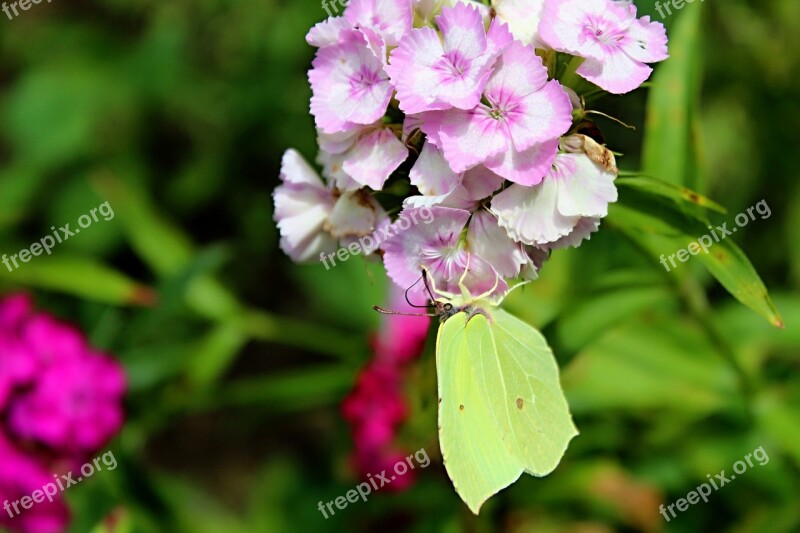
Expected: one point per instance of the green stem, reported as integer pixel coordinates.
(569, 77)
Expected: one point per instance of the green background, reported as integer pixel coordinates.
(177, 114)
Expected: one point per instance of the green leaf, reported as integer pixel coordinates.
(669, 190)
(289, 391)
(670, 148)
(662, 229)
(157, 241)
(82, 277)
(646, 364)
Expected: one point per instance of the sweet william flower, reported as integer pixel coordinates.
(439, 185)
(362, 156)
(74, 405)
(376, 406)
(391, 19)
(440, 249)
(348, 83)
(302, 207)
(20, 475)
(433, 73)
(516, 134)
(575, 188)
(615, 44)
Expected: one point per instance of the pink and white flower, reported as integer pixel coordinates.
(433, 73)
(516, 135)
(391, 19)
(575, 188)
(439, 185)
(440, 249)
(615, 44)
(368, 154)
(349, 84)
(302, 207)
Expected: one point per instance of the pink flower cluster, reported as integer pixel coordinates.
(376, 406)
(60, 402)
(473, 112)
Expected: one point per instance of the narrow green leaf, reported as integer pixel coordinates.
(669, 190)
(662, 228)
(215, 353)
(82, 277)
(670, 148)
(158, 242)
(290, 391)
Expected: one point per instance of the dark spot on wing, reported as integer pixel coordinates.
(461, 407)
(519, 403)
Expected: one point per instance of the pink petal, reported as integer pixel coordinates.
(431, 173)
(491, 242)
(374, 157)
(582, 232)
(542, 116)
(302, 206)
(647, 41)
(469, 138)
(527, 167)
(530, 214)
(617, 74)
(409, 250)
(355, 214)
(431, 75)
(348, 84)
(584, 188)
(390, 18)
(327, 32)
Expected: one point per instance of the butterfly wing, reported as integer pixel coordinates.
(517, 375)
(477, 461)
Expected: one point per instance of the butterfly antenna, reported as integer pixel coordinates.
(427, 287)
(409, 301)
(383, 311)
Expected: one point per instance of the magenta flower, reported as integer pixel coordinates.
(20, 475)
(74, 405)
(71, 402)
(616, 46)
(60, 402)
(376, 407)
(401, 338)
(433, 73)
(348, 83)
(516, 134)
(575, 188)
(17, 363)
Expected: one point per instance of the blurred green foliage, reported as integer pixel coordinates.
(177, 113)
